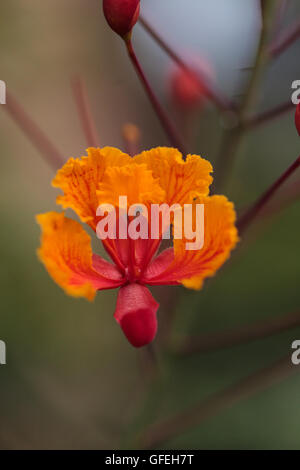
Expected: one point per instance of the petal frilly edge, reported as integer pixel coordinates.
(181, 180)
(67, 255)
(189, 267)
(79, 180)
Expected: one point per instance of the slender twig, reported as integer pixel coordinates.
(276, 112)
(169, 301)
(285, 40)
(150, 366)
(85, 113)
(220, 100)
(170, 130)
(245, 220)
(161, 432)
(237, 336)
(287, 197)
(37, 137)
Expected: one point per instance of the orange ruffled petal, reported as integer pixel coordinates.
(79, 179)
(134, 181)
(67, 255)
(191, 267)
(181, 180)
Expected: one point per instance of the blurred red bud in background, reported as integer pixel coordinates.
(121, 15)
(297, 118)
(187, 85)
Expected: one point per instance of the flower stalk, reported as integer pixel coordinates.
(34, 133)
(160, 433)
(171, 131)
(85, 113)
(267, 116)
(245, 220)
(284, 41)
(237, 336)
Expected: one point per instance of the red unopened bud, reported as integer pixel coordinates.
(136, 314)
(121, 15)
(187, 90)
(187, 85)
(297, 118)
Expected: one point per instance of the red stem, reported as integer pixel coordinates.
(33, 132)
(234, 337)
(161, 432)
(85, 113)
(170, 130)
(286, 40)
(252, 213)
(274, 113)
(288, 197)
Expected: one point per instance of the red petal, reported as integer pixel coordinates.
(136, 314)
(154, 274)
(108, 270)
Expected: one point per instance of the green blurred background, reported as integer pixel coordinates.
(71, 379)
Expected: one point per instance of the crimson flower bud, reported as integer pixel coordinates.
(187, 85)
(186, 88)
(121, 15)
(297, 118)
(136, 314)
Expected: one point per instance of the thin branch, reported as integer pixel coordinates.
(274, 113)
(237, 336)
(284, 41)
(245, 220)
(85, 113)
(287, 197)
(220, 101)
(149, 363)
(170, 130)
(161, 432)
(37, 137)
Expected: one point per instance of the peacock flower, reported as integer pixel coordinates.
(157, 176)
